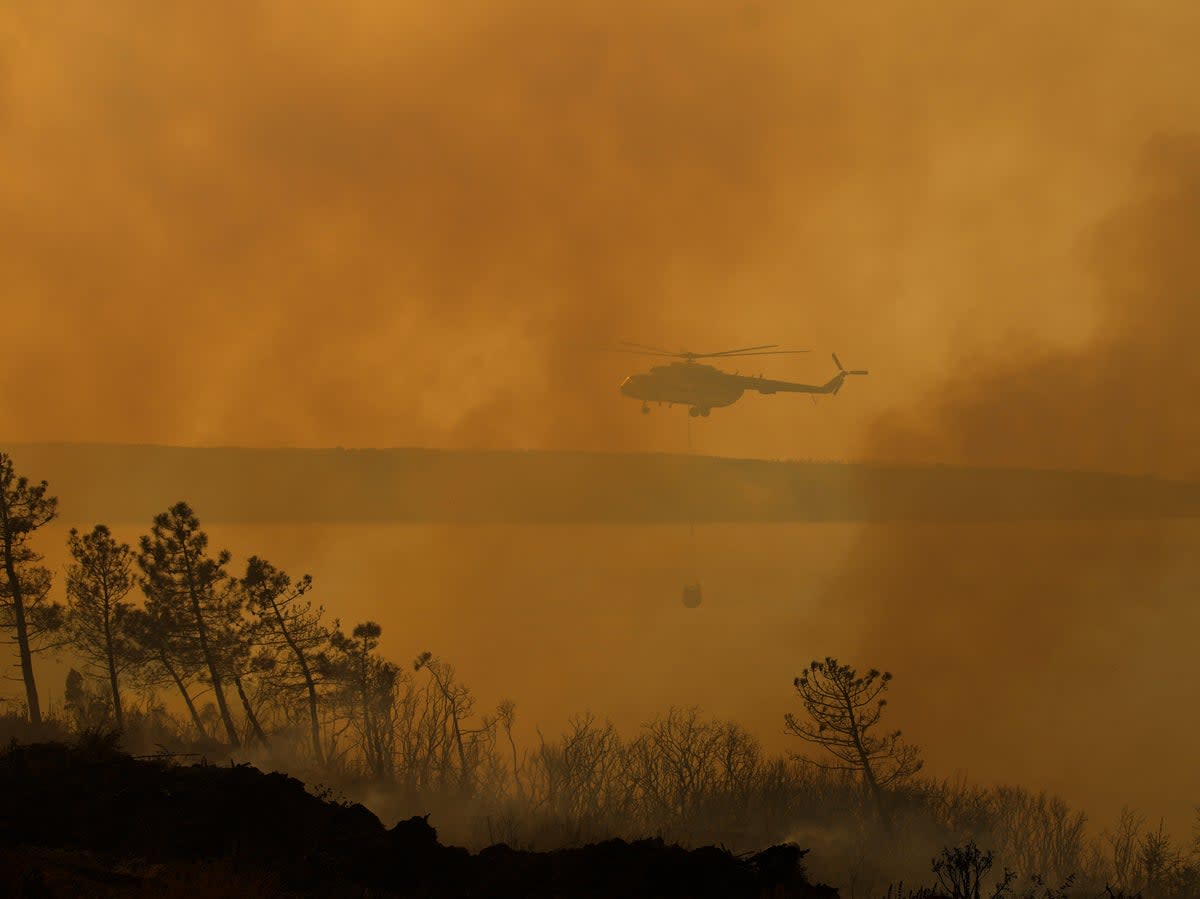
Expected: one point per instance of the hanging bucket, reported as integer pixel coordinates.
(691, 595)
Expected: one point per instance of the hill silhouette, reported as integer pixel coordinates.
(130, 483)
(87, 819)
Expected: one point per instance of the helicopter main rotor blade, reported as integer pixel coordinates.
(641, 349)
(767, 353)
(636, 352)
(642, 346)
(765, 346)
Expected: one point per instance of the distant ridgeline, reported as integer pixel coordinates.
(119, 484)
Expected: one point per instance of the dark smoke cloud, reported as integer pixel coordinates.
(1050, 652)
(371, 224)
(1120, 402)
(248, 223)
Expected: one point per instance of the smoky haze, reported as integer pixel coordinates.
(1076, 636)
(382, 224)
(1116, 403)
(392, 224)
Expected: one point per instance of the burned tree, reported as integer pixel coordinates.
(845, 709)
(288, 631)
(98, 581)
(189, 586)
(458, 704)
(586, 778)
(24, 507)
(367, 688)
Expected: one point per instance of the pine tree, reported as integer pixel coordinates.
(288, 630)
(98, 581)
(186, 587)
(844, 709)
(368, 693)
(25, 507)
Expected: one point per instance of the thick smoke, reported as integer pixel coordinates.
(274, 223)
(1051, 652)
(1118, 403)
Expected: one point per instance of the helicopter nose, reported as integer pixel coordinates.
(627, 386)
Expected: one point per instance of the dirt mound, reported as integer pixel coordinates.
(133, 819)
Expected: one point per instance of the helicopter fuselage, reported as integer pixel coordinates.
(703, 387)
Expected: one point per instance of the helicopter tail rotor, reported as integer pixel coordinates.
(853, 371)
(843, 372)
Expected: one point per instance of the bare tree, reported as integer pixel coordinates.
(180, 575)
(677, 756)
(960, 871)
(1123, 846)
(97, 583)
(425, 742)
(24, 507)
(459, 702)
(506, 716)
(844, 709)
(584, 780)
(1161, 862)
(1037, 833)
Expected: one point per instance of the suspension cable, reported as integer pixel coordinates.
(691, 505)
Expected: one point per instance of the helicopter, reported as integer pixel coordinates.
(703, 387)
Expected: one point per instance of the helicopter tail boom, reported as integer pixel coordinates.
(833, 385)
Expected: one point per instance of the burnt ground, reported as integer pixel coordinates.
(86, 819)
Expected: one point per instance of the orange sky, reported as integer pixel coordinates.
(281, 223)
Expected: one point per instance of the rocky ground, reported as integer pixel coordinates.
(88, 820)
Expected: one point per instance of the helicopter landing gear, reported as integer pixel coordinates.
(693, 411)
(699, 410)
(645, 408)
(705, 412)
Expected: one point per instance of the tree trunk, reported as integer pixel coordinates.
(187, 699)
(868, 772)
(118, 712)
(368, 733)
(210, 661)
(110, 652)
(464, 776)
(314, 721)
(18, 601)
(250, 716)
(516, 766)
